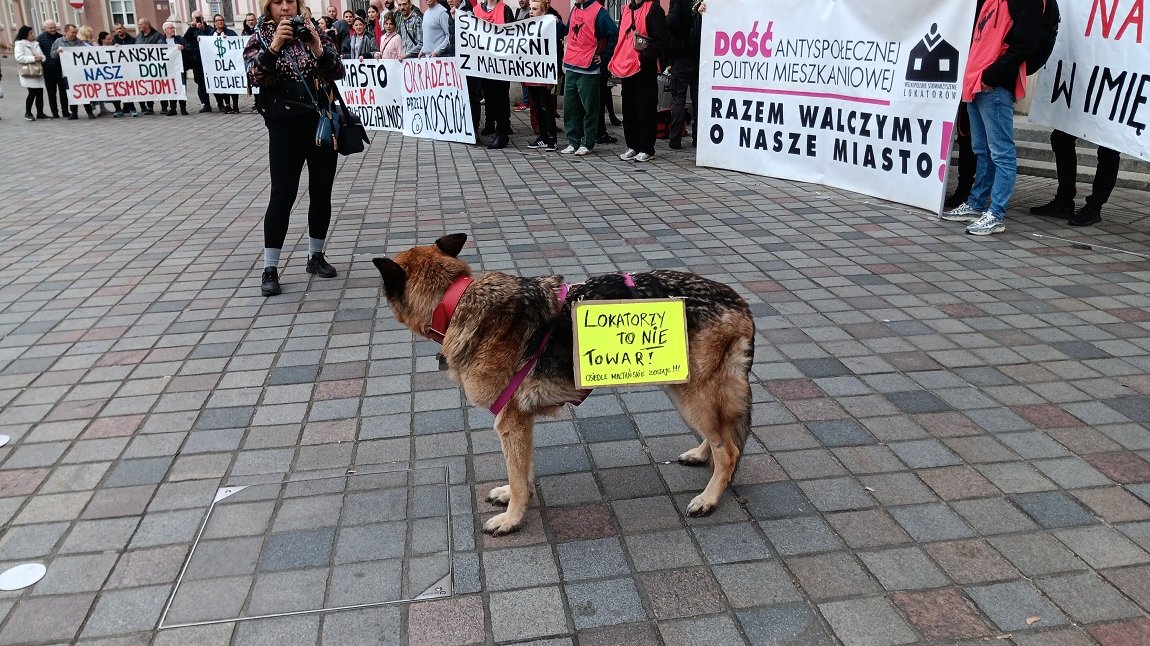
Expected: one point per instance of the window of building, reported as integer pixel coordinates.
(124, 11)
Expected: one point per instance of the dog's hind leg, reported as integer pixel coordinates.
(515, 429)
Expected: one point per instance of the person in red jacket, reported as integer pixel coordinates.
(638, 60)
(1006, 34)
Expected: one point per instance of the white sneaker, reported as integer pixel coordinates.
(961, 214)
(567, 151)
(642, 157)
(583, 151)
(986, 225)
(629, 155)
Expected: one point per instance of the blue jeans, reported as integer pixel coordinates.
(992, 138)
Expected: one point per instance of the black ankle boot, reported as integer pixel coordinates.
(1056, 208)
(270, 282)
(317, 264)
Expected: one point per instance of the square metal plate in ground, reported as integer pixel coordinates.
(317, 545)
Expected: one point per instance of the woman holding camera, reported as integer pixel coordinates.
(291, 63)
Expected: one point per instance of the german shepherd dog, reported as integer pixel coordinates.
(500, 320)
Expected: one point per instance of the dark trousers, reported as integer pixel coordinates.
(124, 107)
(607, 100)
(88, 109)
(55, 85)
(640, 105)
(228, 101)
(1066, 161)
(170, 106)
(291, 143)
(498, 95)
(542, 111)
(35, 96)
(201, 89)
(474, 96)
(684, 80)
(967, 162)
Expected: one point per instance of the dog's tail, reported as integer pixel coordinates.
(746, 348)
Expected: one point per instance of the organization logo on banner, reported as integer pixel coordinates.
(933, 63)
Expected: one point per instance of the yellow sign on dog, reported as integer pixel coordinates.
(628, 342)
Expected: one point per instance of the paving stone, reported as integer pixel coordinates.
(1036, 554)
(639, 634)
(1015, 477)
(1053, 509)
(604, 603)
(841, 433)
(1123, 467)
(1114, 505)
(942, 614)
(300, 548)
(1010, 605)
(69, 574)
(802, 535)
(46, 618)
(1087, 599)
(278, 630)
(897, 489)
(904, 568)
(668, 549)
(456, 621)
(681, 593)
(519, 567)
(1072, 473)
(1134, 582)
(776, 500)
(580, 522)
(381, 624)
(830, 576)
(126, 611)
(607, 429)
(1123, 633)
(934, 522)
(868, 528)
(867, 621)
(730, 543)
(923, 454)
(836, 494)
(703, 631)
(789, 623)
(757, 583)
(973, 561)
(1102, 547)
(592, 559)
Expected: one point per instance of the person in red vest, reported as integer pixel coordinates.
(591, 35)
(638, 60)
(496, 93)
(1006, 34)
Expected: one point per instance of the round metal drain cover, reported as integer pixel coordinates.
(4, 439)
(22, 576)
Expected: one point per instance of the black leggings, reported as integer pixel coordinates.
(640, 106)
(540, 96)
(35, 95)
(291, 142)
(497, 94)
(1066, 161)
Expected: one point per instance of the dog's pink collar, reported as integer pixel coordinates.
(446, 308)
(517, 380)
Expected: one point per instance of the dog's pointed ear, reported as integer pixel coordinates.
(394, 278)
(452, 244)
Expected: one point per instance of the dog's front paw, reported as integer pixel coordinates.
(701, 506)
(692, 458)
(500, 495)
(502, 524)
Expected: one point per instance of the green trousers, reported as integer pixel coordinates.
(581, 108)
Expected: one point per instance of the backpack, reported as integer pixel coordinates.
(1048, 34)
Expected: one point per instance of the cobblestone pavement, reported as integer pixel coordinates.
(951, 435)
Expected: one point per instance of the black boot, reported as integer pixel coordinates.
(497, 142)
(1056, 208)
(317, 264)
(1086, 216)
(270, 282)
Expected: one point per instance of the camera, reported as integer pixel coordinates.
(299, 29)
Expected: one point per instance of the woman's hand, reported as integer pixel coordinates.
(37, 57)
(315, 44)
(378, 55)
(282, 37)
(702, 8)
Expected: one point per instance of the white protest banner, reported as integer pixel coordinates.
(435, 103)
(373, 91)
(837, 92)
(524, 51)
(222, 58)
(1096, 84)
(123, 73)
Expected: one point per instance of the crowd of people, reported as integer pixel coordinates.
(296, 76)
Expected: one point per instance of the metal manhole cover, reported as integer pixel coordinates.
(317, 545)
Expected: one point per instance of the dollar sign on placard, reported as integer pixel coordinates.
(220, 49)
